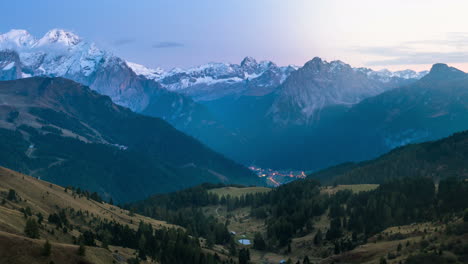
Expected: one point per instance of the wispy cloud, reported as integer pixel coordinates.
(423, 58)
(167, 44)
(123, 41)
(451, 49)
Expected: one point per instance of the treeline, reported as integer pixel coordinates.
(84, 193)
(356, 217)
(292, 209)
(287, 209)
(183, 208)
(165, 245)
(197, 196)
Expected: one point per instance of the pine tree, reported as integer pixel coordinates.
(81, 250)
(318, 237)
(32, 228)
(244, 256)
(232, 247)
(46, 249)
(11, 195)
(259, 242)
(142, 247)
(383, 260)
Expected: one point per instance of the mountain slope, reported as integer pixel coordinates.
(64, 132)
(432, 108)
(229, 107)
(436, 159)
(47, 199)
(291, 124)
(33, 211)
(428, 109)
(319, 84)
(61, 53)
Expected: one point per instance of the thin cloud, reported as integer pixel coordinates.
(452, 49)
(167, 44)
(123, 41)
(422, 58)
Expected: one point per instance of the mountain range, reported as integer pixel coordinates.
(289, 113)
(62, 131)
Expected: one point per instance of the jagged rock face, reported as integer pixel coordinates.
(320, 84)
(10, 66)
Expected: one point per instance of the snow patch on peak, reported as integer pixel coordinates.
(148, 73)
(60, 36)
(16, 38)
(57, 53)
(386, 75)
(9, 66)
(214, 73)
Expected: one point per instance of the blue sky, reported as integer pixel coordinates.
(171, 33)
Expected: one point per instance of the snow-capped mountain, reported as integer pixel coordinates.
(385, 75)
(151, 74)
(17, 39)
(215, 80)
(61, 53)
(249, 69)
(229, 107)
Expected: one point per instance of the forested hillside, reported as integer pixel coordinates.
(298, 209)
(437, 159)
(71, 225)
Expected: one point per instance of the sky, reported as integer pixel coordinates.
(391, 34)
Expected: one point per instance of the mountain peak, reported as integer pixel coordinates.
(316, 60)
(440, 67)
(18, 37)
(17, 33)
(247, 61)
(60, 36)
(441, 71)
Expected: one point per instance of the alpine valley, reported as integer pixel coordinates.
(229, 107)
(103, 160)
